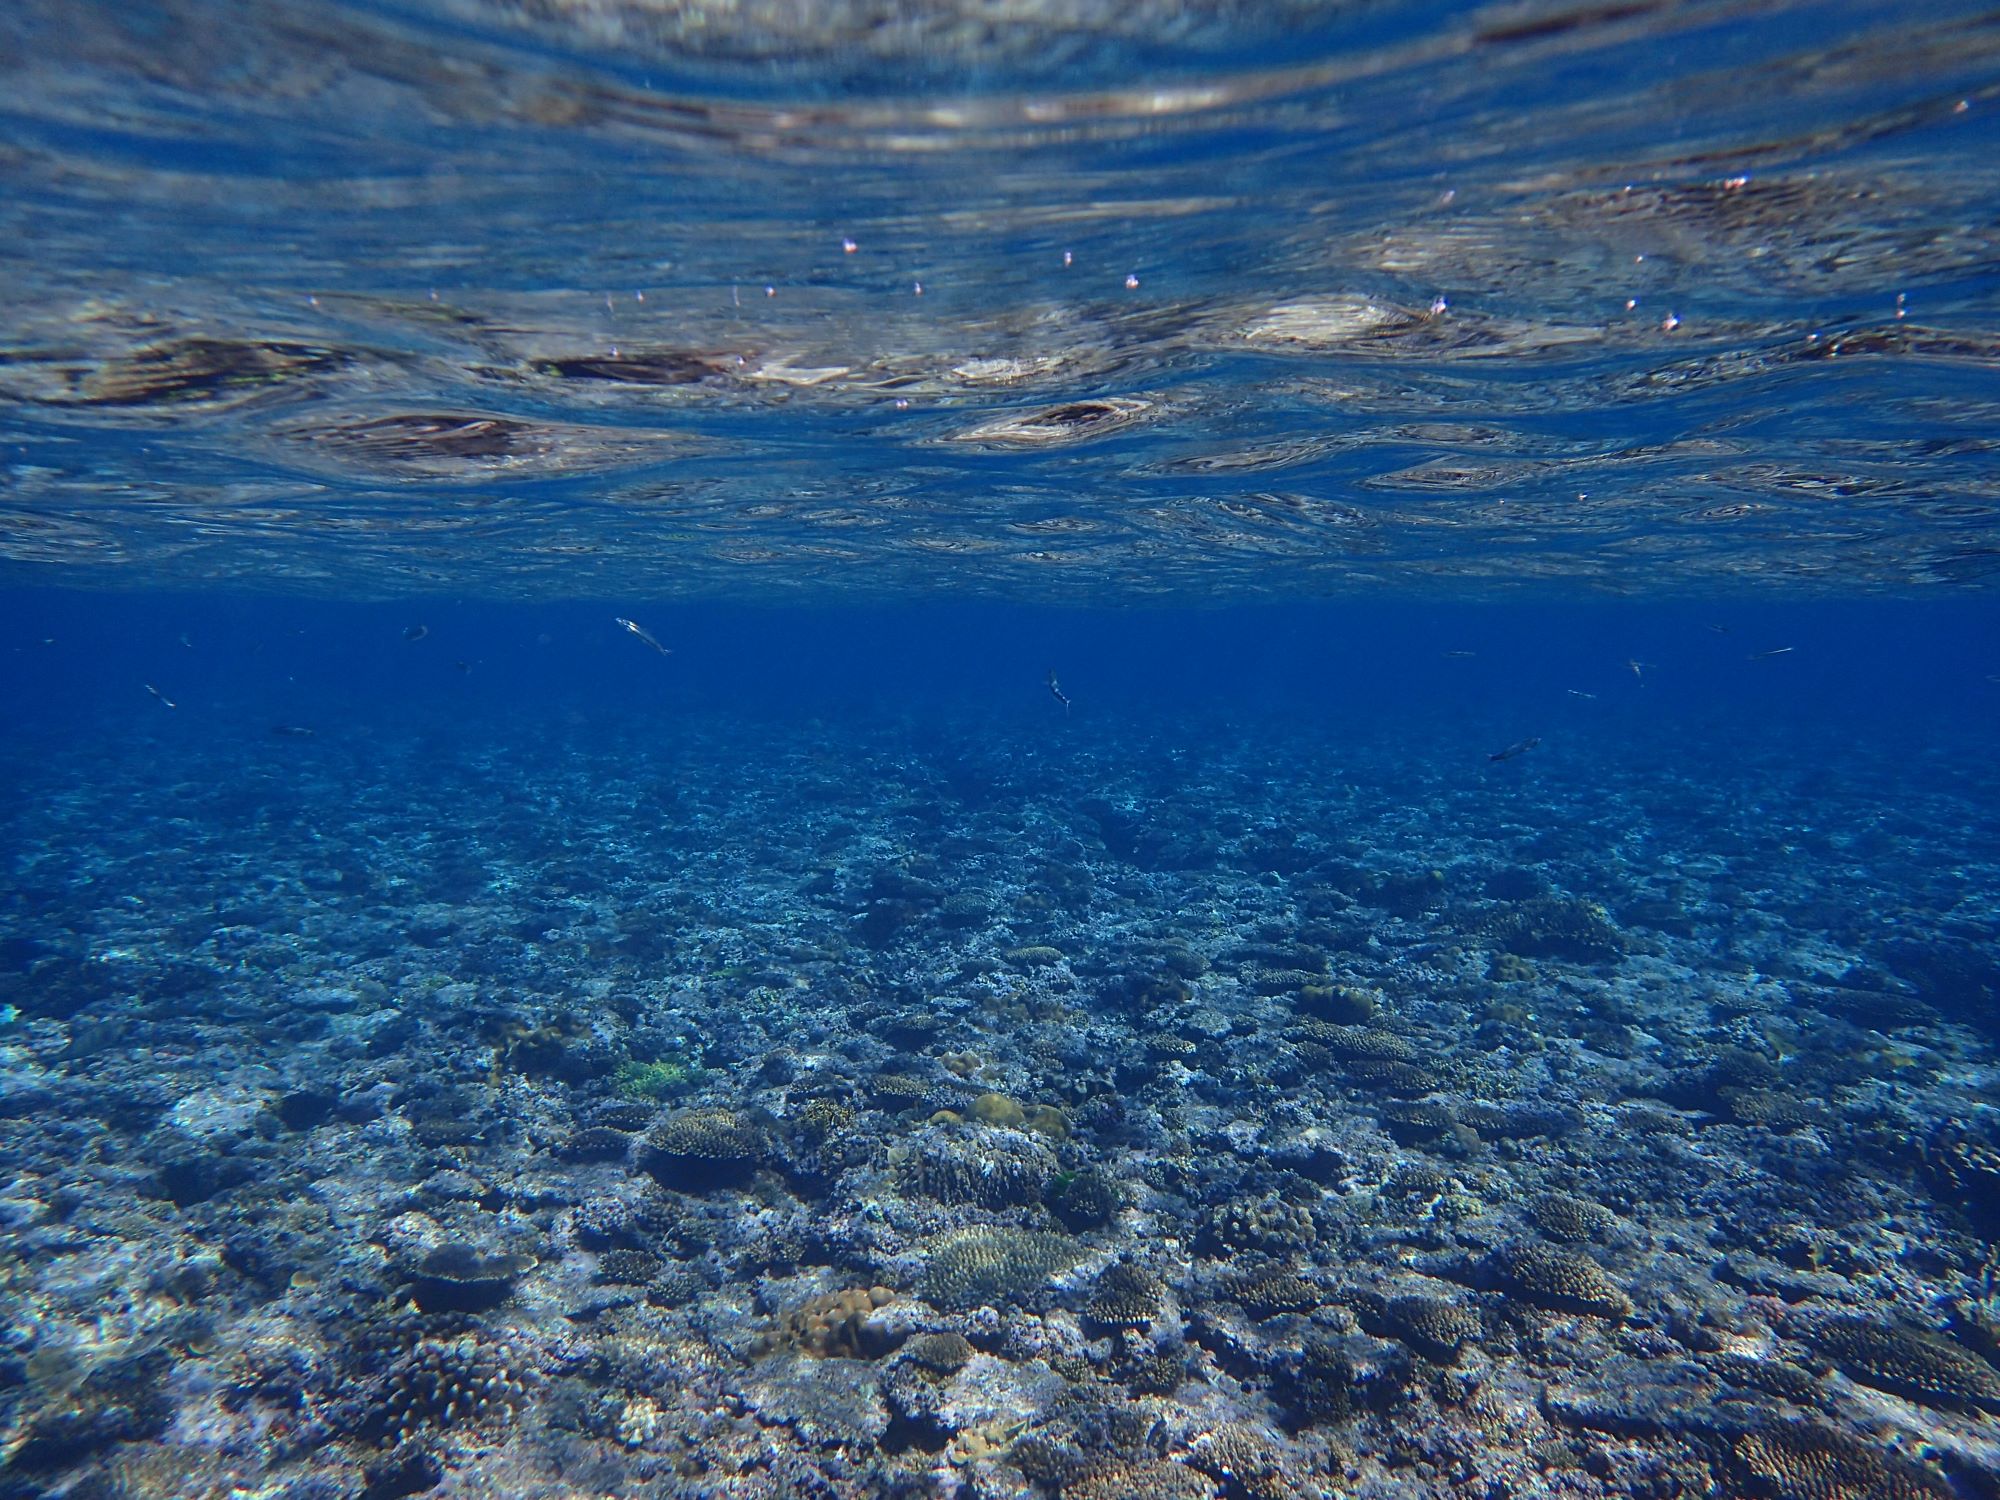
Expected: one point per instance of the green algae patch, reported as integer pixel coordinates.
(660, 1079)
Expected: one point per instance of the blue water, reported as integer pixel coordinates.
(1345, 656)
(1871, 671)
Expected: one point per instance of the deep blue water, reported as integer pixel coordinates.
(1819, 672)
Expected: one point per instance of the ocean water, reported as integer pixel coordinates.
(996, 751)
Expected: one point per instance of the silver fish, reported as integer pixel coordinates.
(643, 633)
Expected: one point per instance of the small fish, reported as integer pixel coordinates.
(1638, 670)
(292, 732)
(416, 632)
(1720, 629)
(1519, 747)
(1774, 651)
(643, 633)
(1055, 688)
(1580, 693)
(1458, 655)
(164, 699)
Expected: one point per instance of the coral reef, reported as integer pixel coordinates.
(1570, 1219)
(1224, 1155)
(970, 1267)
(1085, 1199)
(1555, 927)
(1268, 1224)
(840, 1325)
(1125, 1296)
(455, 1277)
(1249, 1462)
(700, 1149)
(1555, 1278)
(1434, 1326)
(441, 1383)
(1919, 1365)
(996, 1168)
(1267, 1293)
(1803, 1461)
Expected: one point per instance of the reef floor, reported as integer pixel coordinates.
(723, 1108)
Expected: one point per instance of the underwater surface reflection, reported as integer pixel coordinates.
(1047, 302)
